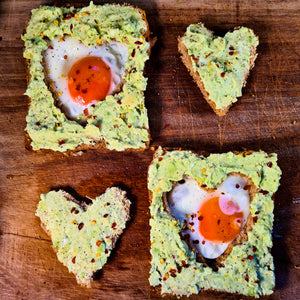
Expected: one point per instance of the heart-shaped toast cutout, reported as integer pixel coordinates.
(219, 65)
(84, 235)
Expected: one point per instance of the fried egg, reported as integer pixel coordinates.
(211, 220)
(81, 75)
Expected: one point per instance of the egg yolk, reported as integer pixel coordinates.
(89, 80)
(216, 226)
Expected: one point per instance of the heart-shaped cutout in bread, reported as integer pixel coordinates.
(219, 65)
(83, 235)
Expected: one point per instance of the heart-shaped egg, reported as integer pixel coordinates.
(83, 235)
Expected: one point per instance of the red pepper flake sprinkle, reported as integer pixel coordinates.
(61, 142)
(200, 218)
(223, 74)
(269, 164)
(160, 159)
(173, 275)
(105, 251)
(172, 271)
(256, 281)
(196, 60)
(250, 257)
(71, 26)
(231, 53)
(113, 226)
(86, 111)
(92, 260)
(257, 212)
(173, 256)
(80, 226)
(65, 56)
(203, 242)
(231, 48)
(217, 65)
(38, 124)
(50, 47)
(195, 268)
(264, 192)
(138, 43)
(98, 126)
(203, 185)
(98, 243)
(119, 102)
(73, 259)
(247, 278)
(169, 100)
(73, 208)
(76, 212)
(105, 216)
(108, 204)
(243, 259)
(254, 219)
(237, 186)
(254, 249)
(183, 262)
(133, 53)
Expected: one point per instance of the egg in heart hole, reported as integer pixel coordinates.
(211, 219)
(80, 76)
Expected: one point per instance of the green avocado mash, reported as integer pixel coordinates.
(83, 239)
(121, 119)
(222, 63)
(174, 266)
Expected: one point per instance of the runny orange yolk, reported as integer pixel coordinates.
(216, 226)
(89, 80)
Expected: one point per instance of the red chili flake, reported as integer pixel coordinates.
(231, 53)
(183, 262)
(196, 242)
(231, 48)
(105, 216)
(160, 159)
(264, 192)
(247, 277)
(95, 21)
(179, 268)
(196, 60)
(92, 260)
(192, 223)
(98, 243)
(256, 281)
(107, 237)
(133, 53)
(38, 124)
(243, 259)
(87, 13)
(50, 47)
(73, 259)
(203, 185)
(195, 268)
(113, 226)
(218, 222)
(107, 203)
(61, 142)
(237, 186)
(138, 43)
(246, 187)
(71, 26)
(65, 56)
(86, 112)
(105, 251)
(80, 226)
(250, 257)
(169, 100)
(254, 249)
(269, 164)
(172, 271)
(73, 208)
(84, 91)
(98, 126)
(203, 242)
(208, 55)
(173, 275)
(223, 74)
(76, 212)
(200, 218)
(129, 126)
(173, 256)
(119, 102)
(257, 212)
(254, 219)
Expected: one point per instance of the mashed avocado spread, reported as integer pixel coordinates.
(222, 63)
(83, 239)
(121, 119)
(249, 268)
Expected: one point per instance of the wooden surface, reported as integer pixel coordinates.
(266, 117)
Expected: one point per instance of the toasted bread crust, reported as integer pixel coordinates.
(187, 61)
(99, 144)
(84, 206)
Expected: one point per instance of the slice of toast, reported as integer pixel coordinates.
(219, 66)
(119, 122)
(246, 267)
(83, 235)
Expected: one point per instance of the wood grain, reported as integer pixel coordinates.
(266, 117)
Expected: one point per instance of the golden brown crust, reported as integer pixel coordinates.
(84, 206)
(99, 144)
(156, 291)
(187, 61)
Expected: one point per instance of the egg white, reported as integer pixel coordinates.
(186, 199)
(63, 53)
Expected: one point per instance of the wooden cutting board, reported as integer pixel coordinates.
(266, 117)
